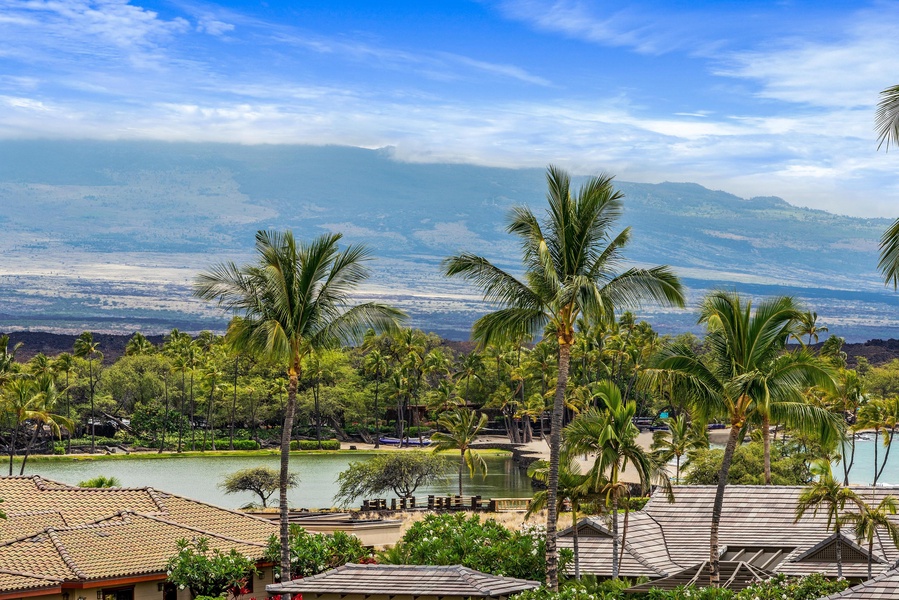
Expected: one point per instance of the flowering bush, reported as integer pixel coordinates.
(457, 539)
(311, 554)
(208, 573)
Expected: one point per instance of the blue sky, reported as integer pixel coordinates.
(756, 98)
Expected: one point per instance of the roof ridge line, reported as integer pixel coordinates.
(64, 554)
(197, 529)
(157, 499)
(32, 575)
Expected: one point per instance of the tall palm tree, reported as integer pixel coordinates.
(375, 365)
(827, 494)
(868, 520)
(296, 297)
(744, 372)
(571, 262)
(881, 415)
(21, 401)
(7, 357)
(65, 364)
(470, 366)
(138, 345)
(682, 437)
(610, 433)
(574, 487)
(86, 347)
(808, 325)
(461, 428)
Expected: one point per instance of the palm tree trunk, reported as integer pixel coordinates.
(165, 414)
(28, 448)
(577, 558)
(461, 466)
(839, 551)
(555, 442)
(886, 455)
(714, 558)
(870, 551)
(68, 416)
(193, 412)
(233, 407)
(377, 415)
(766, 439)
(285, 474)
(677, 469)
(627, 512)
(12, 444)
(90, 380)
(615, 565)
(876, 431)
(181, 412)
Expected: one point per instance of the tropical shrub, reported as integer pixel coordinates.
(457, 539)
(100, 481)
(207, 573)
(314, 553)
(747, 467)
(313, 445)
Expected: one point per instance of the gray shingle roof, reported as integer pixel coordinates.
(405, 580)
(735, 575)
(882, 587)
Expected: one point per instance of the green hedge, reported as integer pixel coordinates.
(313, 445)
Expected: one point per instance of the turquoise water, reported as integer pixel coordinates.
(863, 467)
(199, 477)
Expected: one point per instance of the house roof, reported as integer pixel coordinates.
(57, 534)
(735, 575)
(405, 580)
(669, 537)
(649, 559)
(882, 587)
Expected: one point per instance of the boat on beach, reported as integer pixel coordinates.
(407, 441)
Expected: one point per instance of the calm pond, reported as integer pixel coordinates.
(199, 477)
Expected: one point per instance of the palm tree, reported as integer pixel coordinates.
(886, 121)
(375, 365)
(571, 265)
(294, 299)
(461, 429)
(808, 325)
(743, 373)
(7, 357)
(21, 401)
(574, 486)
(471, 365)
(65, 364)
(41, 413)
(828, 495)
(881, 414)
(868, 520)
(681, 438)
(86, 347)
(138, 345)
(610, 433)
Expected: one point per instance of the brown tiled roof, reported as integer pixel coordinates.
(735, 575)
(16, 581)
(34, 503)
(405, 580)
(125, 545)
(882, 587)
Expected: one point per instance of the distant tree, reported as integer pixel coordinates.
(681, 438)
(461, 429)
(86, 347)
(871, 519)
(262, 481)
(138, 345)
(399, 472)
(100, 481)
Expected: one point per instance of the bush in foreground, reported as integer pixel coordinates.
(314, 553)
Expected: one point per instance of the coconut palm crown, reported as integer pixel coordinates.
(572, 268)
(294, 299)
(746, 376)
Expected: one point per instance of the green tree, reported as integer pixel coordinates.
(139, 345)
(574, 487)
(570, 263)
(262, 481)
(376, 366)
(828, 495)
(611, 434)
(65, 365)
(745, 375)
(86, 347)
(314, 553)
(399, 472)
(100, 481)
(869, 520)
(886, 121)
(292, 300)
(681, 438)
(21, 401)
(461, 428)
(881, 415)
(42, 406)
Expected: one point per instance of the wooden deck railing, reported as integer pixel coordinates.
(466, 503)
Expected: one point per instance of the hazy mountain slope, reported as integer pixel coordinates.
(112, 232)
